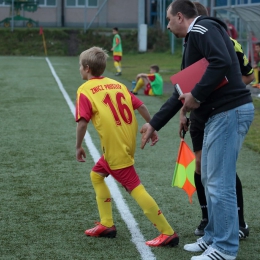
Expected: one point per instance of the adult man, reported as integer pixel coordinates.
(228, 112)
(197, 131)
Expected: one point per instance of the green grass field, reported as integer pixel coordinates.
(47, 200)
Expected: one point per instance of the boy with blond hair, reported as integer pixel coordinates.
(110, 107)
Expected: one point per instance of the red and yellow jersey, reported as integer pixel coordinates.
(110, 107)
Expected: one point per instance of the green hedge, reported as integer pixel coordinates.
(72, 42)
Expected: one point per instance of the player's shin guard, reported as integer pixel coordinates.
(120, 66)
(117, 66)
(103, 198)
(151, 210)
(139, 85)
(256, 74)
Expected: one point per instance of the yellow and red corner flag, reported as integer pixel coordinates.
(41, 31)
(43, 40)
(183, 176)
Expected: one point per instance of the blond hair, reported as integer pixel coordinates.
(96, 59)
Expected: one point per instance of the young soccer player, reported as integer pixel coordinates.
(117, 51)
(257, 66)
(153, 82)
(110, 107)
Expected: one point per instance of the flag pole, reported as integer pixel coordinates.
(44, 42)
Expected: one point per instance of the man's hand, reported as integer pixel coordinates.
(184, 125)
(148, 133)
(154, 138)
(189, 102)
(80, 154)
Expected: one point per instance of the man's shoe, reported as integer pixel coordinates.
(243, 232)
(213, 254)
(164, 240)
(200, 229)
(118, 74)
(198, 246)
(101, 231)
(135, 93)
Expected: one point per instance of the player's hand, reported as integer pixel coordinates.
(189, 102)
(80, 154)
(147, 132)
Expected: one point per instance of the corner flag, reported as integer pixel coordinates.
(43, 40)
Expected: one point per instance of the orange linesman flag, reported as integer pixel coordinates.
(183, 176)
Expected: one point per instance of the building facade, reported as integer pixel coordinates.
(77, 13)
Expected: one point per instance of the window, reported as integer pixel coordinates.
(47, 2)
(81, 3)
(92, 3)
(3, 2)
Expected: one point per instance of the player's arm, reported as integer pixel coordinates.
(248, 79)
(143, 111)
(140, 75)
(147, 117)
(80, 133)
(117, 42)
(82, 116)
(245, 67)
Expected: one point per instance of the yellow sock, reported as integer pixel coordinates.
(139, 85)
(256, 75)
(103, 198)
(151, 210)
(151, 92)
(117, 66)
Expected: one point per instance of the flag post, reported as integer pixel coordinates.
(43, 39)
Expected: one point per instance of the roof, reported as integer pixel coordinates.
(250, 14)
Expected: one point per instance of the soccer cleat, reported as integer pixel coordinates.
(118, 74)
(213, 254)
(258, 85)
(164, 240)
(243, 232)
(135, 93)
(101, 231)
(198, 246)
(200, 229)
(255, 85)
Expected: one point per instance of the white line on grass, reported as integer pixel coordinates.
(137, 237)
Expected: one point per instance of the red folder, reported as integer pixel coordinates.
(186, 79)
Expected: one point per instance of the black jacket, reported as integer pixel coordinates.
(208, 38)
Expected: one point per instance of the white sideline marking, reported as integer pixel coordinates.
(137, 237)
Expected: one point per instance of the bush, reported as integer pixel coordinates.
(71, 42)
